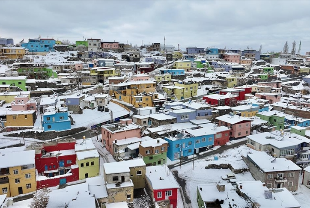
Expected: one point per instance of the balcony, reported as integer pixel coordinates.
(280, 180)
(4, 171)
(4, 180)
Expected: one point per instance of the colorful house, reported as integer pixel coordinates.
(273, 118)
(87, 158)
(232, 57)
(183, 64)
(272, 97)
(83, 43)
(154, 152)
(9, 97)
(172, 71)
(19, 82)
(56, 120)
(112, 132)
(298, 130)
(239, 126)
(245, 110)
(40, 45)
(23, 103)
(18, 174)
(12, 52)
(189, 142)
(231, 81)
(56, 163)
(183, 115)
(163, 187)
(162, 77)
(20, 118)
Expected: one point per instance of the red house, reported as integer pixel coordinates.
(163, 186)
(221, 100)
(239, 93)
(56, 163)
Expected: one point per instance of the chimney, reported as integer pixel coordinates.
(157, 140)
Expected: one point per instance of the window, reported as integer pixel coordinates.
(48, 118)
(92, 163)
(189, 150)
(269, 176)
(69, 161)
(169, 193)
(61, 117)
(15, 171)
(115, 178)
(27, 175)
(290, 183)
(3, 83)
(87, 164)
(219, 135)
(19, 83)
(177, 146)
(210, 139)
(203, 139)
(162, 148)
(49, 126)
(139, 172)
(246, 132)
(190, 142)
(5, 190)
(26, 116)
(239, 134)
(128, 196)
(28, 185)
(82, 164)
(14, 117)
(17, 180)
(291, 175)
(197, 141)
(156, 151)
(280, 175)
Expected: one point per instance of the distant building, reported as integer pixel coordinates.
(40, 45)
(194, 50)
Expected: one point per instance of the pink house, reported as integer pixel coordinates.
(22, 103)
(232, 57)
(118, 131)
(110, 45)
(272, 84)
(78, 67)
(140, 77)
(272, 97)
(239, 126)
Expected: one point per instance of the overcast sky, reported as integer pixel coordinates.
(235, 24)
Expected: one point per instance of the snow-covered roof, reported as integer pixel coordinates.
(153, 143)
(123, 166)
(275, 139)
(210, 193)
(160, 116)
(270, 164)
(84, 144)
(18, 158)
(255, 190)
(87, 154)
(183, 111)
(160, 177)
(96, 186)
(116, 205)
(232, 119)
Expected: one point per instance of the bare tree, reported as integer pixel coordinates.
(40, 199)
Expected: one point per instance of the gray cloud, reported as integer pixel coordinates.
(219, 23)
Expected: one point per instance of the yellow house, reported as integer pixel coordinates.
(17, 173)
(183, 64)
(103, 73)
(8, 97)
(177, 55)
(87, 158)
(12, 52)
(231, 81)
(58, 42)
(20, 118)
(245, 110)
(189, 89)
(137, 93)
(162, 77)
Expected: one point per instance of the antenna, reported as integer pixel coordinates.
(299, 48)
(285, 48)
(294, 48)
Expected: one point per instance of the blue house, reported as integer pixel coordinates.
(173, 71)
(56, 121)
(39, 45)
(248, 53)
(194, 50)
(189, 142)
(212, 51)
(183, 115)
(189, 57)
(201, 109)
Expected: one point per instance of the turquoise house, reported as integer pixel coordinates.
(56, 121)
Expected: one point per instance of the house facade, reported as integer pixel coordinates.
(18, 174)
(239, 126)
(154, 152)
(56, 121)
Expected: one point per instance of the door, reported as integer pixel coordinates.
(61, 172)
(123, 178)
(86, 175)
(20, 190)
(62, 181)
(46, 167)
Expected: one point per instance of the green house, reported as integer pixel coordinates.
(154, 151)
(268, 70)
(299, 130)
(273, 118)
(19, 81)
(263, 76)
(84, 43)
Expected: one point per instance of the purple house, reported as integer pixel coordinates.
(183, 115)
(73, 103)
(194, 50)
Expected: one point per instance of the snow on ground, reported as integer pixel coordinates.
(92, 117)
(200, 175)
(22, 204)
(302, 195)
